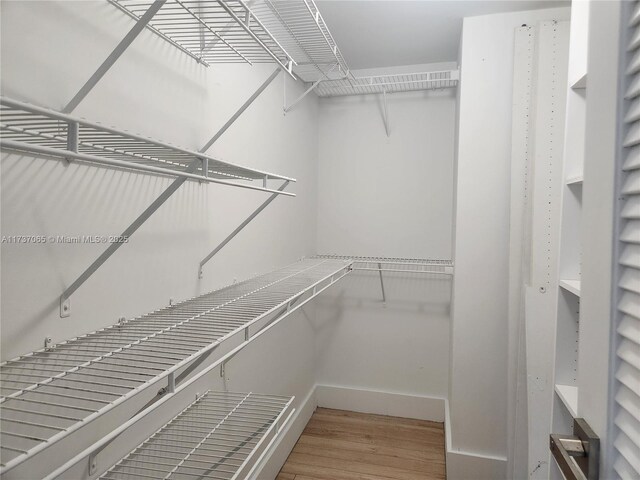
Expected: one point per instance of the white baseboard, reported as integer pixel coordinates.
(274, 461)
(381, 403)
(462, 465)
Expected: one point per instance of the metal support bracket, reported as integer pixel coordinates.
(577, 455)
(306, 92)
(114, 55)
(384, 297)
(239, 112)
(240, 227)
(385, 113)
(65, 306)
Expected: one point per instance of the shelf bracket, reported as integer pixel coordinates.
(239, 112)
(385, 113)
(384, 297)
(240, 227)
(65, 307)
(114, 55)
(308, 90)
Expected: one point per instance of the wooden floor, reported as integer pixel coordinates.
(339, 445)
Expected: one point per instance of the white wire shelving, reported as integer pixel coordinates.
(407, 82)
(300, 28)
(398, 265)
(48, 395)
(29, 128)
(218, 436)
(213, 31)
(291, 33)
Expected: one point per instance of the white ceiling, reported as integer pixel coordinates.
(385, 33)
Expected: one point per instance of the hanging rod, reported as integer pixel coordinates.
(50, 394)
(28, 128)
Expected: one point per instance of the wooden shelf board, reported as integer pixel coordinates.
(575, 180)
(580, 82)
(572, 286)
(569, 396)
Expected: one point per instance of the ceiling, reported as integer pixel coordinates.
(386, 33)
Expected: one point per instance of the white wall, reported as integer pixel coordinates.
(386, 196)
(49, 49)
(479, 340)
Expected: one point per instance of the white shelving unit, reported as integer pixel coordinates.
(567, 337)
(49, 395)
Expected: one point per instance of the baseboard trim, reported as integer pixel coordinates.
(464, 465)
(381, 403)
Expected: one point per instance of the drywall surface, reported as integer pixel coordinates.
(398, 346)
(49, 49)
(388, 196)
(479, 335)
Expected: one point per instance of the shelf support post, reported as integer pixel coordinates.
(241, 226)
(384, 297)
(72, 138)
(65, 307)
(114, 55)
(240, 111)
(385, 113)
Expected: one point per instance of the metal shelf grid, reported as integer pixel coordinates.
(213, 31)
(300, 28)
(218, 436)
(400, 265)
(48, 394)
(388, 83)
(26, 127)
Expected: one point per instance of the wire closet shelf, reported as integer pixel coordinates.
(408, 82)
(398, 265)
(291, 33)
(220, 436)
(214, 31)
(28, 128)
(49, 394)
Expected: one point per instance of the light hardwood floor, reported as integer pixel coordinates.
(340, 445)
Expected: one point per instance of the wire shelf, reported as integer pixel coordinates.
(48, 394)
(212, 31)
(388, 83)
(26, 127)
(394, 264)
(290, 32)
(218, 436)
(300, 28)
